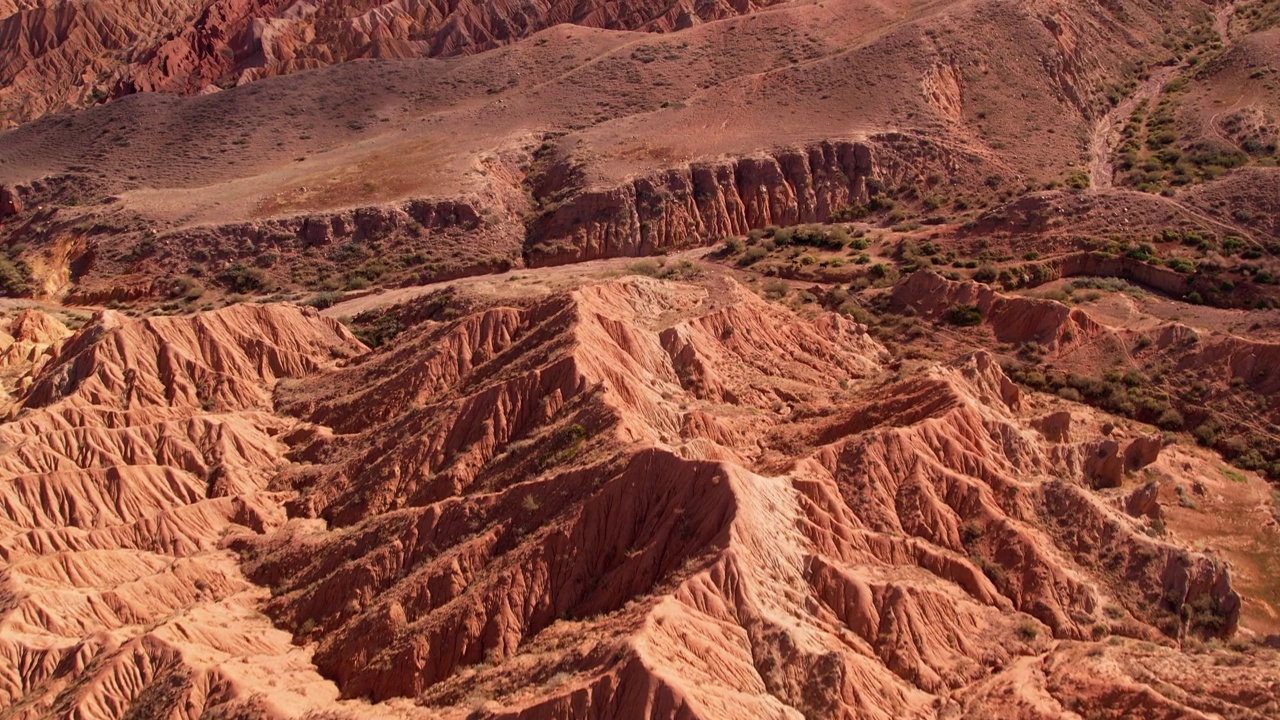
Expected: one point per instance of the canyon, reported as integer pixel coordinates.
(574, 507)
(699, 360)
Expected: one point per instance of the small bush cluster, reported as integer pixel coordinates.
(375, 328)
(1248, 450)
(964, 316)
(759, 244)
(566, 445)
(324, 300)
(1155, 156)
(243, 279)
(1129, 394)
(15, 278)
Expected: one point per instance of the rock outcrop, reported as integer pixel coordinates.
(136, 449)
(1047, 323)
(1056, 426)
(10, 203)
(33, 338)
(699, 203)
(631, 499)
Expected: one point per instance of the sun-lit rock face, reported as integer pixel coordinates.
(631, 499)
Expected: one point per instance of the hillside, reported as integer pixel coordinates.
(528, 154)
(688, 361)
(633, 498)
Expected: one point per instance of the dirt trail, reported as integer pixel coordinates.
(1222, 25)
(1106, 132)
(1222, 21)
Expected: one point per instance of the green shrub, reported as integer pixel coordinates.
(1232, 244)
(1071, 394)
(648, 268)
(240, 278)
(374, 329)
(15, 278)
(1143, 252)
(1208, 431)
(324, 300)
(964, 315)
(1171, 420)
(567, 443)
(846, 213)
(753, 254)
(880, 204)
(187, 288)
(775, 289)
(683, 270)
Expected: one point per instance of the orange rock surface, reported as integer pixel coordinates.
(634, 498)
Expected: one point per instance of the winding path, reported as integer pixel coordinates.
(1106, 132)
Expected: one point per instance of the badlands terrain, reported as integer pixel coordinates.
(697, 360)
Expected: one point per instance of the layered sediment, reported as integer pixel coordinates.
(632, 499)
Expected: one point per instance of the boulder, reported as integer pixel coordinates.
(1055, 427)
(1142, 452)
(1105, 466)
(10, 203)
(1145, 501)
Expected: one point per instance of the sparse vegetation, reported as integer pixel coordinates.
(374, 328)
(565, 446)
(324, 300)
(15, 278)
(964, 315)
(243, 279)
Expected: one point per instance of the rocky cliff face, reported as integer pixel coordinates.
(700, 203)
(533, 212)
(704, 202)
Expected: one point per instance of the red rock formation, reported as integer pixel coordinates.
(701, 203)
(1145, 501)
(400, 614)
(1231, 357)
(1013, 319)
(695, 203)
(32, 339)
(119, 480)
(1055, 426)
(48, 49)
(627, 500)
(10, 204)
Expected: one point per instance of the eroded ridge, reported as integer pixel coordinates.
(636, 498)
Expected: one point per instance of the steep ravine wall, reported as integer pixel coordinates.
(689, 206)
(703, 202)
